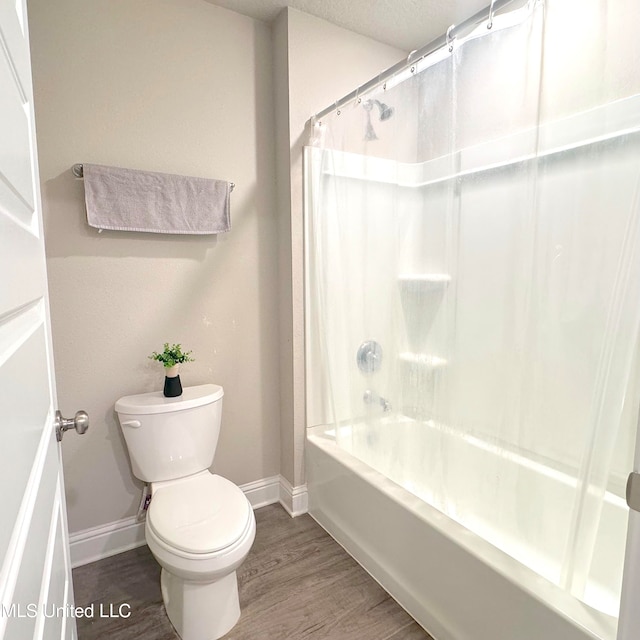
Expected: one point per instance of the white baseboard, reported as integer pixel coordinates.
(106, 540)
(109, 539)
(262, 492)
(295, 500)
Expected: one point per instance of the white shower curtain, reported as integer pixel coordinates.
(487, 236)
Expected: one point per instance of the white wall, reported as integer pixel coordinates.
(179, 86)
(324, 63)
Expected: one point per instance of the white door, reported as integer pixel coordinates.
(35, 573)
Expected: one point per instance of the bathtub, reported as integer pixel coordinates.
(454, 582)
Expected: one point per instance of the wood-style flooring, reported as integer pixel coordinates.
(296, 584)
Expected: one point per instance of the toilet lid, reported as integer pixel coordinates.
(203, 514)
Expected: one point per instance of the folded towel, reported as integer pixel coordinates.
(131, 200)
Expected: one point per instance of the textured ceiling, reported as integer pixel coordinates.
(406, 24)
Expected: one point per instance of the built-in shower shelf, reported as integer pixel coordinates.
(422, 282)
(426, 360)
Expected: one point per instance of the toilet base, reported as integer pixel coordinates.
(201, 610)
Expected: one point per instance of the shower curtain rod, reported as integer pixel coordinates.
(415, 56)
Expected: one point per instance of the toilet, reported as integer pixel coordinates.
(199, 526)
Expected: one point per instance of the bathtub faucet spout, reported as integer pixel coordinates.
(371, 397)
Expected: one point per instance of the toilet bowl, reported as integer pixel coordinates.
(200, 526)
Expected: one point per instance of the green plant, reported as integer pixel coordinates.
(171, 355)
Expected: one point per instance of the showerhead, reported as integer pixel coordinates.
(385, 112)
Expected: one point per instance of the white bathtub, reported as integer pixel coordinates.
(454, 582)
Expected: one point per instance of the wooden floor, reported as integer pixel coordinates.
(297, 583)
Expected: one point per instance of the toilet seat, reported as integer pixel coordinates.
(202, 515)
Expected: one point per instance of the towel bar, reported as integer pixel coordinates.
(78, 172)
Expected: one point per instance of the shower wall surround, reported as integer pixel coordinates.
(496, 259)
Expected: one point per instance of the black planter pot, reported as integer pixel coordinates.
(172, 387)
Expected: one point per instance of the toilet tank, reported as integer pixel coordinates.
(170, 438)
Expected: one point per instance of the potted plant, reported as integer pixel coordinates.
(172, 357)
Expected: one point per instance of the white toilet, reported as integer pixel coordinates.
(200, 527)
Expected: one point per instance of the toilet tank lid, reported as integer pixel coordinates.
(155, 402)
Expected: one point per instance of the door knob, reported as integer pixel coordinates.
(80, 422)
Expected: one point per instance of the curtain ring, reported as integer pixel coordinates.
(448, 38)
(490, 23)
(413, 67)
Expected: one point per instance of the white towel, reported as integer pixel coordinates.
(131, 200)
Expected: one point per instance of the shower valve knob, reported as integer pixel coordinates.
(369, 356)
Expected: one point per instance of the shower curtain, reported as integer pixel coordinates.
(478, 217)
